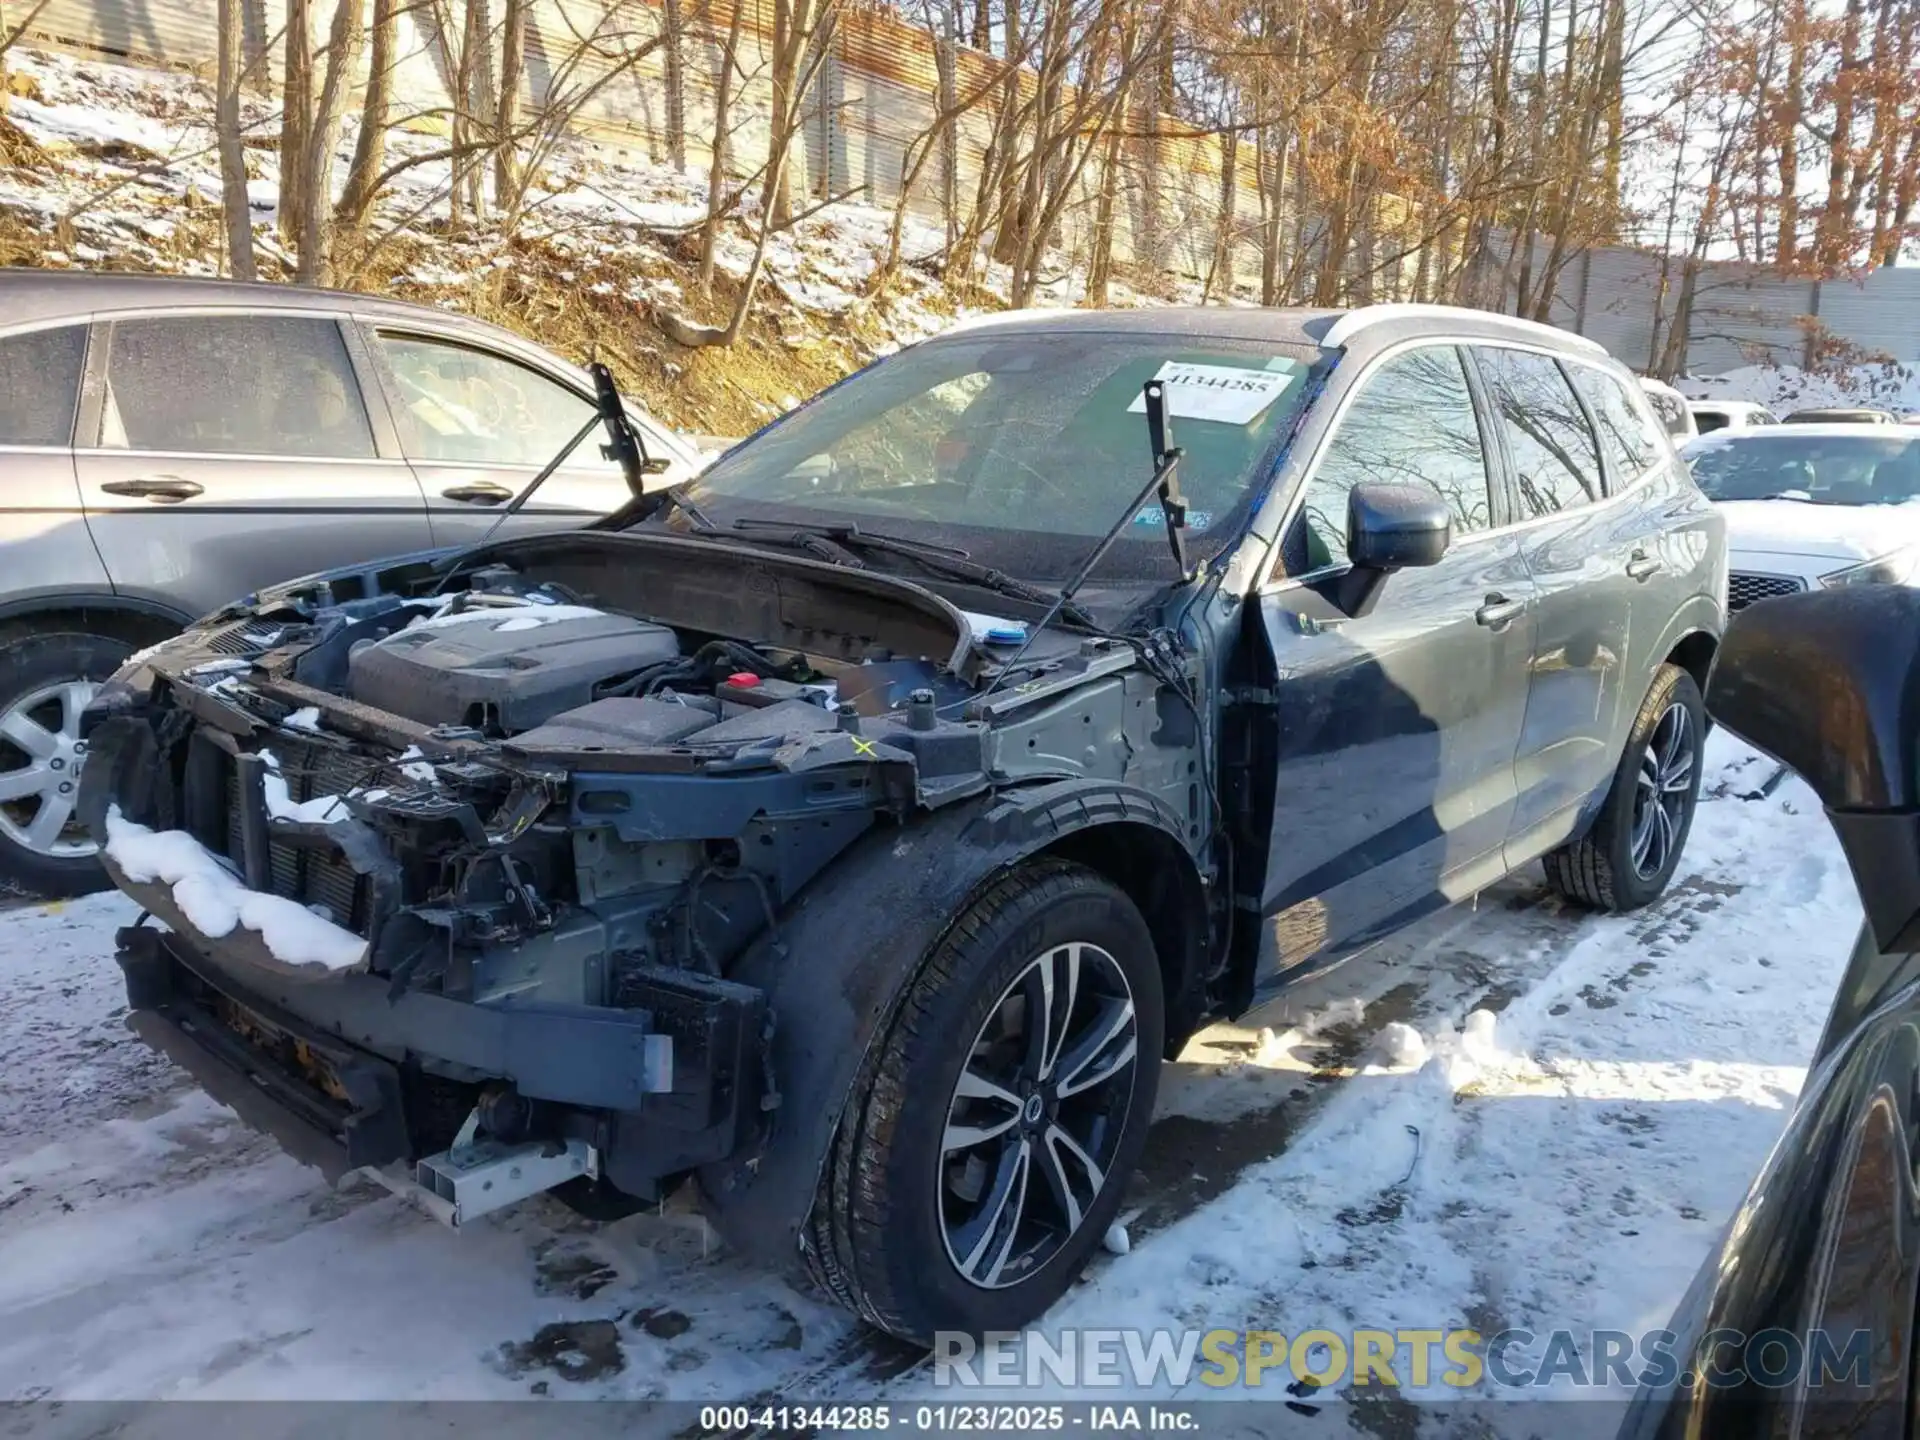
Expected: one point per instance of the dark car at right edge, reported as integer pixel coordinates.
(850, 831)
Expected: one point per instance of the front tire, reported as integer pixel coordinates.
(1626, 859)
(45, 682)
(987, 1143)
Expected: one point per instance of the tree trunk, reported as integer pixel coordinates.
(233, 158)
(1787, 128)
(370, 148)
(673, 24)
(983, 24)
(476, 53)
(1100, 263)
(722, 144)
(1220, 268)
(775, 199)
(344, 42)
(296, 119)
(513, 64)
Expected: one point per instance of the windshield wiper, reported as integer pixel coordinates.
(944, 560)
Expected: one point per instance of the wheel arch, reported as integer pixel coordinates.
(843, 954)
(1693, 652)
(140, 622)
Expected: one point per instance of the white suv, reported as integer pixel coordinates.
(1814, 506)
(1712, 415)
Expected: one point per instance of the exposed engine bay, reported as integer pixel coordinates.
(578, 783)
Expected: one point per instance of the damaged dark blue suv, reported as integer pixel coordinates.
(851, 831)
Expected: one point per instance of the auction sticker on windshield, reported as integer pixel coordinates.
(1228, 394)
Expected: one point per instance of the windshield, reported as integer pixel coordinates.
(1022, 449)
(1864, 469)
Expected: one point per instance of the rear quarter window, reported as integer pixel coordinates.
(1626, 436)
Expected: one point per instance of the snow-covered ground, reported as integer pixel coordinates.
(1782, 388)
(1514, 1115)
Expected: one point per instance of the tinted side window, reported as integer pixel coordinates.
(1413, 424)
(1624, 436)
(40, 385)
(468, 407)
(241, 385)
(1671, 410)
(1556, 463)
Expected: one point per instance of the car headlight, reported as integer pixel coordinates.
(1894, 568)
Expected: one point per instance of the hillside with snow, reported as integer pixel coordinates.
(108, 166)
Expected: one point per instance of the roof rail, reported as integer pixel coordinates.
(1354, 321)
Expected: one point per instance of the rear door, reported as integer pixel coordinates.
(224, 451)
(1589, 556)
(44, 545)
(1595, 557)
(478, 424)
(1394, 730)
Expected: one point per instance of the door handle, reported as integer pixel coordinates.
(1642, 566)
(161, 489)
(1498, 612)
(485, 493)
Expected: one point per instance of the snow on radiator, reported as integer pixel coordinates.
(214, 901)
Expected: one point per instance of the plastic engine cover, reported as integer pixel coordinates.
(507, 669)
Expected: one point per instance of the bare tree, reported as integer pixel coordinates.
(721, 151)
(674, 26)
(801, 31)
(296, 119)
(513, 52)
(344, 42)
(370, 146)
(233, 161)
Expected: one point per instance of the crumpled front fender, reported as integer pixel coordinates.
(841, 958)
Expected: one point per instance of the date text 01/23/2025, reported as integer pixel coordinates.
(977, 1419)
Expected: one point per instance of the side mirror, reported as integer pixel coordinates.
(1396, 527)
(1828, 683)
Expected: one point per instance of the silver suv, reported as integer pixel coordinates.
(169, 445)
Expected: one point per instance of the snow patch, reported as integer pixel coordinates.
(214, 902)
(306, 718)
(282, 806)
(416, 766)
(1403, 1046)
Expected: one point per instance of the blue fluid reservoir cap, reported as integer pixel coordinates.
(1006, 634)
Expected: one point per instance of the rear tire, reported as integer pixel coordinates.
(45, 680)
(1628, 856)
(915, 1226)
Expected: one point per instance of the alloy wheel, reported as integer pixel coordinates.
(41, 755)
(1664, 790)
(1037, 1115)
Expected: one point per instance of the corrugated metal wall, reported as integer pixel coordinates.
(877, 93)
(1741, 315)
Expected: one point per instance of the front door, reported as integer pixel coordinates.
(223, 452)
(1395, 729)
